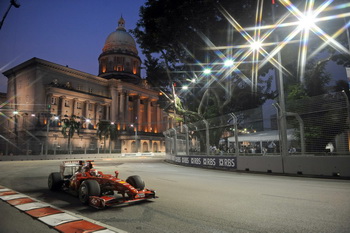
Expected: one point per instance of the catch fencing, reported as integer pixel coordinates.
(317, 126)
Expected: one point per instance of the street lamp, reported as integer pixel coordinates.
(207, 71)
(15, 114)
(228, 63)
(12, 3)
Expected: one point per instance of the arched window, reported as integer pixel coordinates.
(134, 68)
(133, 147)
(145, 147)
(155, 147)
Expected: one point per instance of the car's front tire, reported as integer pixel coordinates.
(136, 182)
(89, 188)
(55, 181)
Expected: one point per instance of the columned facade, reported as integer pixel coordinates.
(117, 97)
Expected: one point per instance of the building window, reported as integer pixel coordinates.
(66, 103)
(53, 100)
(90, 107)
(134, 69)
(79, 87)
(78, 105)
(90, 90)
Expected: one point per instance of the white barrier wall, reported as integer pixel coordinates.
(302, 165)
(325, 165)
(294, 165)
(260, 163)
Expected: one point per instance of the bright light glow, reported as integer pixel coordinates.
(15, 112)
(255, 45)
(207, 71)
(193, 80)
(88, 120)
(56, 118)
(185, 88)
(112, 123)
(262, 46)
(228, 63)
(307, 24)
(307, 21)
(33, 115)
(132, 125)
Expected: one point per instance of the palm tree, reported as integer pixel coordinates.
(106, 130)
(69, 127)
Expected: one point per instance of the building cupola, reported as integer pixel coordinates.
(119, 58)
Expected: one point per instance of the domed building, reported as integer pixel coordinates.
(116, 111)
(119, 58)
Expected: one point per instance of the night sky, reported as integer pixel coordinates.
(69, 32)
(66, 32)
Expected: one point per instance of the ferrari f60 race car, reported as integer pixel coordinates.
(95, 188)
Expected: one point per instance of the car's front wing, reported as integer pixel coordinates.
(103, 201)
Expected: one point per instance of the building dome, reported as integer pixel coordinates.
(120, 40)
(119, 58)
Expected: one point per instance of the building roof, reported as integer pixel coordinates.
(120, 40)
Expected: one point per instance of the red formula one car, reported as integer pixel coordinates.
(95, 188)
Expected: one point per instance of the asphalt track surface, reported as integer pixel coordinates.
(190, 200)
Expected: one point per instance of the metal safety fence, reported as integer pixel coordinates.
(315, 126)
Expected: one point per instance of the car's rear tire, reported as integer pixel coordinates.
(136, 182)
(55, 181)
(89, 188)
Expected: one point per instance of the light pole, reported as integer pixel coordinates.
(12, 3)
(15, 115)
(281, 98)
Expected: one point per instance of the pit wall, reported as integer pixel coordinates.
(335, 166)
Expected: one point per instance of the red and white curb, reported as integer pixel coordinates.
(52, 216)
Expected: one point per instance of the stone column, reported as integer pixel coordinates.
(86, 109)
(97, 108)
(61, 108)
(138, 113)
(114, 105)
(158, 120)
(121, 109)
(126, 111)
(74, 110)
(107, 112)
(149, 115)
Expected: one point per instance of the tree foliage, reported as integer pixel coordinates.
(180, 38)
(69, 127)
(177, 38)
(106, 130)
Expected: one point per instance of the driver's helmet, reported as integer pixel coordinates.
(86, 169)
(93, 172)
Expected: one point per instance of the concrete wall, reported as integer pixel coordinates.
(294, 165)
(325, 165)
(260, 163)
(303, 165)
